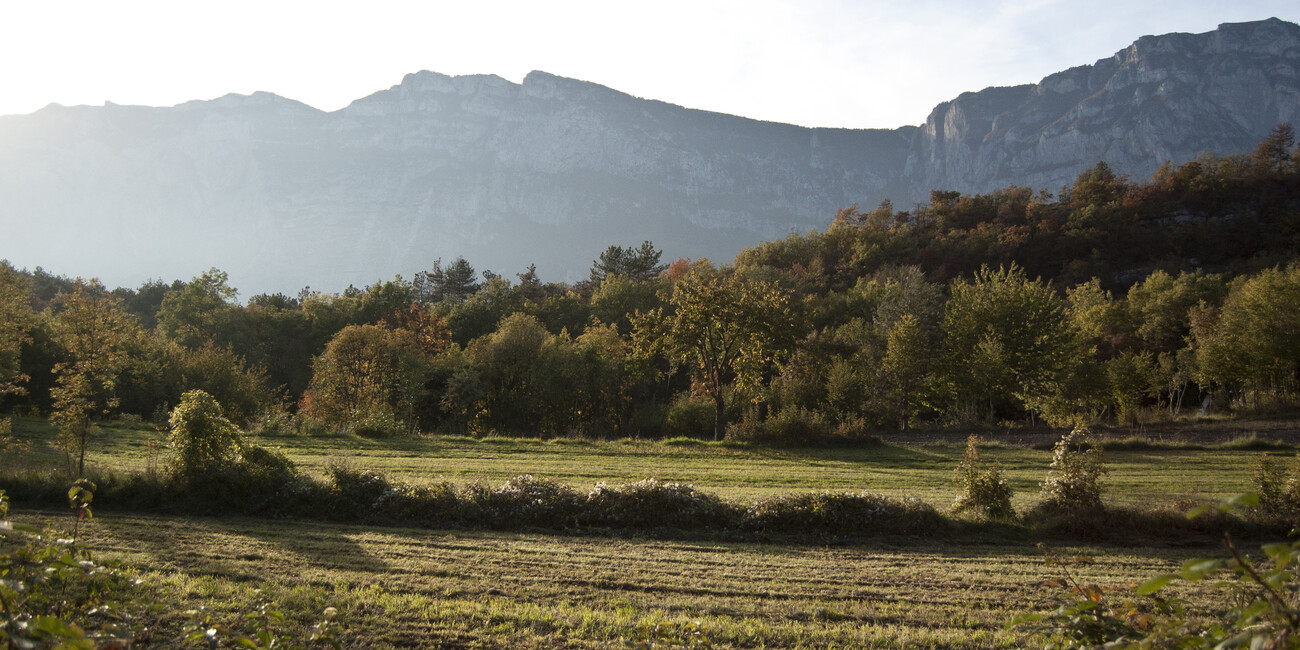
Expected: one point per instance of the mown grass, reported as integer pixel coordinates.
(1141, 475)
(402, 587)
(398, 587)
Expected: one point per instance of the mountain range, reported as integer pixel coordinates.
(552, 170)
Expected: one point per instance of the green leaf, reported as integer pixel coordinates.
(1197, 568)
(1244, 500)
(1155, 584)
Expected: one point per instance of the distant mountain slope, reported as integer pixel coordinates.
(553, 170)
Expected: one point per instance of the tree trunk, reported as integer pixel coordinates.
(81, 460)
(719, 417)
(902, 408)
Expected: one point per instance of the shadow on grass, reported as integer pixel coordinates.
(234, 546)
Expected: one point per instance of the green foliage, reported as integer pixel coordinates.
(1133, 376)
(201, 312)
(1009, 336)
(1253, 347)
(656, 504)
(724, 329)
(635, 264)
(906, 365)
(1073, 483)
(367, 376)
(854, 514)
(53, 594)
(1277, 485)
(202, 439)
(16, 318)
(984, 489)
(688, 417)
(93, 331)
(455, 283)
(790, 426)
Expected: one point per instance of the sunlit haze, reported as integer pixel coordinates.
(837, 63)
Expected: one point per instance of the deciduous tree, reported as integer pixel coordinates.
(724, 329)
(93, 330)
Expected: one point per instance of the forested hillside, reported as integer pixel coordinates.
(1118, 301)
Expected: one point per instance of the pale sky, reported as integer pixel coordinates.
(841, 63)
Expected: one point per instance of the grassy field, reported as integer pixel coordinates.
(397, 587)
(1148, 477)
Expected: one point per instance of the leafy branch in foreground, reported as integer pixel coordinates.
(1262, 594)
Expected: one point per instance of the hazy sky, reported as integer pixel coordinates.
(864, 63)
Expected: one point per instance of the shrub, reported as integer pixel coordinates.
(528, 501)
(203, 439)
(1278, 488)
(376, 424)
(359, 493)
(438, 504)
(984, 489)
(1073, 483)
(276, 422)
(789, 426)
(688, 417)
(652, 503)
(842, 513)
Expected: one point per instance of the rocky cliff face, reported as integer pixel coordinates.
(1164, 98)
(553, 170)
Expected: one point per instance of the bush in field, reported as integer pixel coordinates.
(1073, 483)
(359, 493)
(203, 439)
(652, 503)
(984, 488)
(688, 417)
(791, 425)
(527, 501)
(842, 513)
(438, 504)
(375, 424)
(1278, 488)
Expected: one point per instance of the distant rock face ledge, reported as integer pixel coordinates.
(1164, 98)
(552, 170)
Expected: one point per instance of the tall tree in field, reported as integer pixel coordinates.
(724, 329)
(93, 331)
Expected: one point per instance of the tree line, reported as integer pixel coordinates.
(1115, 301)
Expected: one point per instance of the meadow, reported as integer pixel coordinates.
(397, 586)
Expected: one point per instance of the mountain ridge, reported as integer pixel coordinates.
(551, 170)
